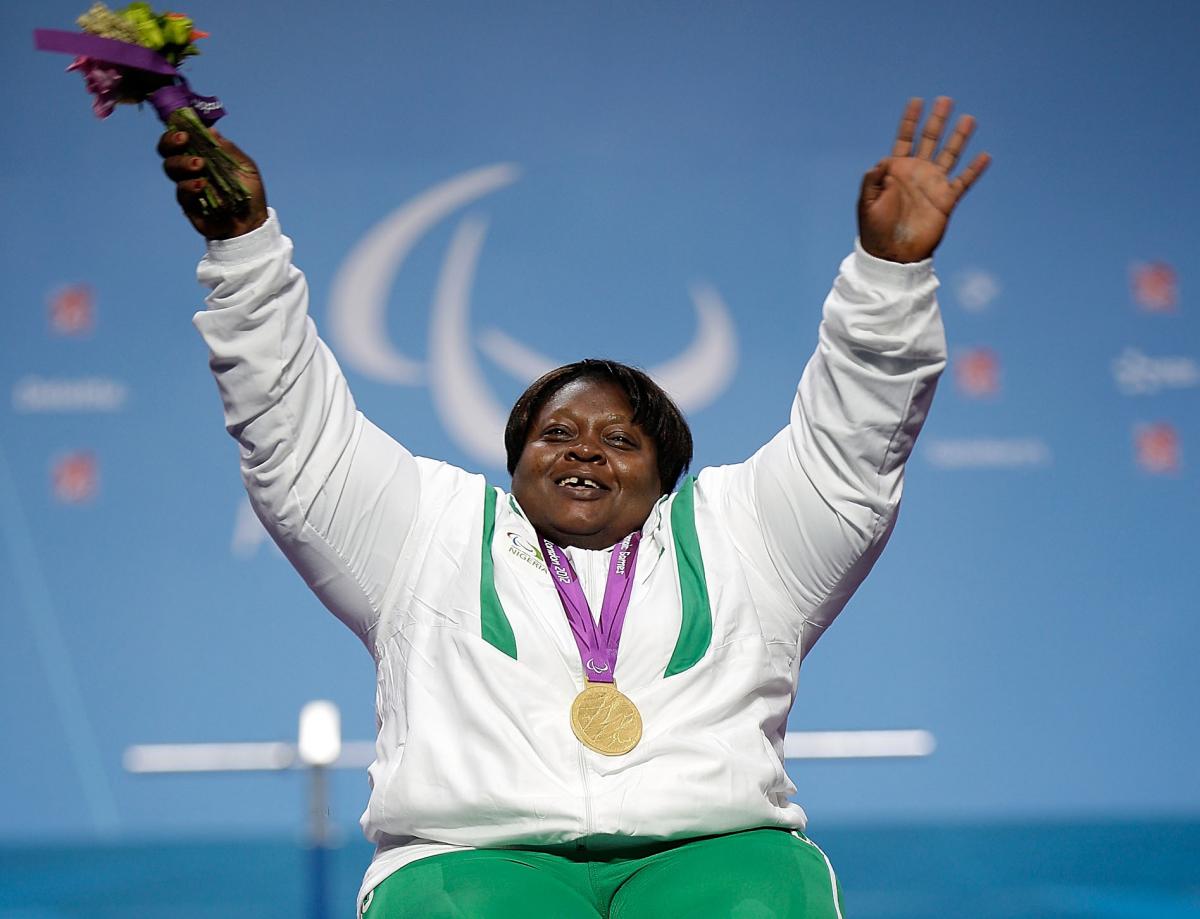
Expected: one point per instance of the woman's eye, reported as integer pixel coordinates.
(556, 431)
(622, 439)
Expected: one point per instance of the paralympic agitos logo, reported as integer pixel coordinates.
(462, 398)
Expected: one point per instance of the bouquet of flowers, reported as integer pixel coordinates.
(131, 56)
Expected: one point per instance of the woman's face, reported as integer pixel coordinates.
(588, 476)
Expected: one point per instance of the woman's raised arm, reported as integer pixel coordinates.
(819, 501)
(336, 493)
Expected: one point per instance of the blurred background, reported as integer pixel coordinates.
(477, 188)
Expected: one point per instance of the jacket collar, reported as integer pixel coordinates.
(654, 533)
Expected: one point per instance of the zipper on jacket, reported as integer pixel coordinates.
(587, 799)
(596, 572)
(592, 569)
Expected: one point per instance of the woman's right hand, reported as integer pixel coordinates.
(186, 171)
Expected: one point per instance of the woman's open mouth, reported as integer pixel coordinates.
(580, 484)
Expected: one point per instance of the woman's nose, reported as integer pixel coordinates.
(586, 452)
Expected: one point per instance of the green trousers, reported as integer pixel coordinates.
(755, 874)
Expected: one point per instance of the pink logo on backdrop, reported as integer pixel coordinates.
(977, 373)
(1157, 447)
(72, 310)
(75, 477)
(1155, 287)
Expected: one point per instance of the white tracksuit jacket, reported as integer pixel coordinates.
(740, 572)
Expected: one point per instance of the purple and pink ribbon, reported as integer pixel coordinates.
(165, 100)
(597, 643)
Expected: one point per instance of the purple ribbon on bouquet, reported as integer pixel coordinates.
(165, 100)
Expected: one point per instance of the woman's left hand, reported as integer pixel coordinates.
(907, 198)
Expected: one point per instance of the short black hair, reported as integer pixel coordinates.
(653, 409)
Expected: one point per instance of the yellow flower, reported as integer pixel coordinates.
(176, 29)
(138, 11)
(150, 35)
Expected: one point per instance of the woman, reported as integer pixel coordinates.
(583, 686)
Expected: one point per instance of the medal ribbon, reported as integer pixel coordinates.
(597, 644)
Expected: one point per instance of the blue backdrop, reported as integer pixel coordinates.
(647, 170)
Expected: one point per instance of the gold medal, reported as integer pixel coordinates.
(605, 720)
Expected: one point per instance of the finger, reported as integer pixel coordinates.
(172, 143)
(933, 127)
(948, 158)
(875, 174)
(188, 195)
(908, 127)
(872, 183)
(235, 151)
(182, 168)
(971, 174)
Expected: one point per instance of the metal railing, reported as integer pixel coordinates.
(319, 747)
